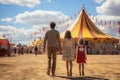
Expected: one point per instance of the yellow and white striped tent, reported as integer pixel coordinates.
(84, 28)
(37, 42)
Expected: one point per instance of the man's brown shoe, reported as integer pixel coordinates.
(48, 72)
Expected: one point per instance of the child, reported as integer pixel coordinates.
(81, 55)
(68, 52)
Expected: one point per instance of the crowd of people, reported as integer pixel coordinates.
(107, 50)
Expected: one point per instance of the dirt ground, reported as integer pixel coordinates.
(31, 67)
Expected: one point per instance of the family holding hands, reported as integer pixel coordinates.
(70, 53)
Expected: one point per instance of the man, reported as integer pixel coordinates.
(52, 38)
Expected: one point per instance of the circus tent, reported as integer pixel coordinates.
(37, 42)
(84, 28)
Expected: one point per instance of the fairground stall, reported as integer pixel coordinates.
(4, 47)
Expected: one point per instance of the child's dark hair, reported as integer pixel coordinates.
(81, 41)
(68, 35)
(52, 25)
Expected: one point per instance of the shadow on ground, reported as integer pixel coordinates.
(82, 78)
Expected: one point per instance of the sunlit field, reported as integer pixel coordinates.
(32, 67)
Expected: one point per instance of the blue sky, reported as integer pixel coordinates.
(21, 18)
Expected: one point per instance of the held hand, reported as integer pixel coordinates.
(60, 51)
(85, 58)
(75, 56)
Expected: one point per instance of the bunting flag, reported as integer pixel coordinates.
(105, 23)
(96, 20)
(67, 24)
(101, 22)
(114, 23)
(36, 33)
(44, 29)
(119, 27)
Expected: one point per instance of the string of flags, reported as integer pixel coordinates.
(111, 24)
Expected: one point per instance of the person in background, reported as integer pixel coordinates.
(36, 50)
(15, 50)
(81, 56)
(69, 52)
(52, 39)
(101, 50)
(108, 51)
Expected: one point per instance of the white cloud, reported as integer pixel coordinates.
(7, 19)
(37, 19)
(28, 3)
(17, 35)
(99, 1)
(109, 11)
(109, 7)
(40, 17)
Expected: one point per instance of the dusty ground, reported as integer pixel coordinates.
(31, 67)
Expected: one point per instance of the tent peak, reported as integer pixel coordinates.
(83, 7)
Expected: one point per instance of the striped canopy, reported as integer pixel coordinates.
(37, 42)
(84, 28)
(4, 41)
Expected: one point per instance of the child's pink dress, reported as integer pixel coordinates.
(81, 54)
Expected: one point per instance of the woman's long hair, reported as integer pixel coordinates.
(68, 35)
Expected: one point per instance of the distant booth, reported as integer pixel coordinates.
(83, 27)
(4, 47)
(36, 43)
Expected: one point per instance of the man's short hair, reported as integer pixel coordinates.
(52, 25)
